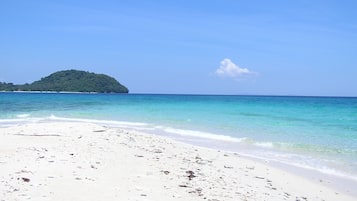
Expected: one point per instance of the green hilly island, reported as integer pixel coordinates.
(70, 81)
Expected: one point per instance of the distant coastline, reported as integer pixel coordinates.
(185, 94)
(50, 92)
(70, 81)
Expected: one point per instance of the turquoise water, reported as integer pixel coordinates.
(318, 133)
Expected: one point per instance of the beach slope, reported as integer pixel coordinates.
(83, 161)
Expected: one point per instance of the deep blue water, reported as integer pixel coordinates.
(311, 132)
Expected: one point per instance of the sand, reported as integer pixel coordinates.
(84, 161)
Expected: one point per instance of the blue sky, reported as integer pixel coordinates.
(305, 47)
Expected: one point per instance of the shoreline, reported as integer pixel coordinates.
(127, 164)
(50, 92)
(341, 182)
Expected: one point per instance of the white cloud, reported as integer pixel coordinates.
(230, 69)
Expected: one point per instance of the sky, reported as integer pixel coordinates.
(305, 47)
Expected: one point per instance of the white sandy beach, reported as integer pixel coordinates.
(83, 161)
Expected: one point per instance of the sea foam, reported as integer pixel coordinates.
(23, 115)
(200, 134)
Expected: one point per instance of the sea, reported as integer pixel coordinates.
(313, 133)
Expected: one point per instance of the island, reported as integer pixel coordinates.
(70, 81)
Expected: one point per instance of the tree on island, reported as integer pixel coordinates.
(71, 81)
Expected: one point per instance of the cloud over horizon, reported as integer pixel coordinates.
(230, 69)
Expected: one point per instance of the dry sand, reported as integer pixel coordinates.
(82, 161)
